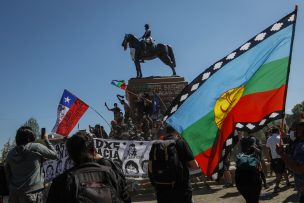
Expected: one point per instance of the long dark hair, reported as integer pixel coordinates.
(81, 147)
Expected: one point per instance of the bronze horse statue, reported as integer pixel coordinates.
(162, 51)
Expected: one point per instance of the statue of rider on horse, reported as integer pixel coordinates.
(147, 39)
(145, 49)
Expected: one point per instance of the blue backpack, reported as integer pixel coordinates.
(246, 160)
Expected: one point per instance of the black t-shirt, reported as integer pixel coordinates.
(116, 111)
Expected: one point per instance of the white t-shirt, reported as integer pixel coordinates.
(271, 143)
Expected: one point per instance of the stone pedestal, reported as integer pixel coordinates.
(167, 88)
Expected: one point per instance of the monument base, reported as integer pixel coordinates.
(165, 87)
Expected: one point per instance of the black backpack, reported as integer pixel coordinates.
(3, 183)
(93, 184)
(167, 169)
(122, 184)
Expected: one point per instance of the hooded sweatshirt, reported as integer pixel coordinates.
(24, 166)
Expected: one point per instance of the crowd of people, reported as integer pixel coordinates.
(93, 175)
(142, 122)
(286, 158)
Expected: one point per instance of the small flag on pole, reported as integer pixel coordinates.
(70, 110)
(120, 84)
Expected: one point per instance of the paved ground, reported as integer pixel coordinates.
(216, 193)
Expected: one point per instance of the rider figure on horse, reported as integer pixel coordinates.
(147, 38)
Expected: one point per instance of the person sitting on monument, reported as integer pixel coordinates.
(98, 131)
(115, 130)
(120, 119)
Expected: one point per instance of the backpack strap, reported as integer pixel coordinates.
(166, 153)
(169, 141)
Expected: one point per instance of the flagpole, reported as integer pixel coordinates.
(138, 96)
(163, 103)
(288, 70)
(100, 115)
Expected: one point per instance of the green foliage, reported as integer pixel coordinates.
(32, 122)
(5, 149)
(296, 110)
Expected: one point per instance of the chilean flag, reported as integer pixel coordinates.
(70, 110)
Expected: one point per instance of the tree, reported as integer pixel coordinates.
(296, 110)
(32, 122)
(6, 148)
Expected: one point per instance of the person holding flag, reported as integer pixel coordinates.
(295, 161)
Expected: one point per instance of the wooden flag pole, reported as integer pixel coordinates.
(131, 92)
(288, 70)
(282, 130)
(138, 96)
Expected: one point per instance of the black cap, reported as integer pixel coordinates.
(246, 144)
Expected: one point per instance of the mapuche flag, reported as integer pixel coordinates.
(70, 110)
(120, 84)
(244, 90)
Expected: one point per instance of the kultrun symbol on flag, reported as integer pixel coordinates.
(225, 103)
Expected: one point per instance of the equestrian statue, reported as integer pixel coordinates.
(144, 49)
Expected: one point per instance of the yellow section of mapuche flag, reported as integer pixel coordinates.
(225, 103)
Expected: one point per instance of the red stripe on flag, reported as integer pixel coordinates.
(72, 117)
(203, 159)
(123, 86)
(250, 108)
